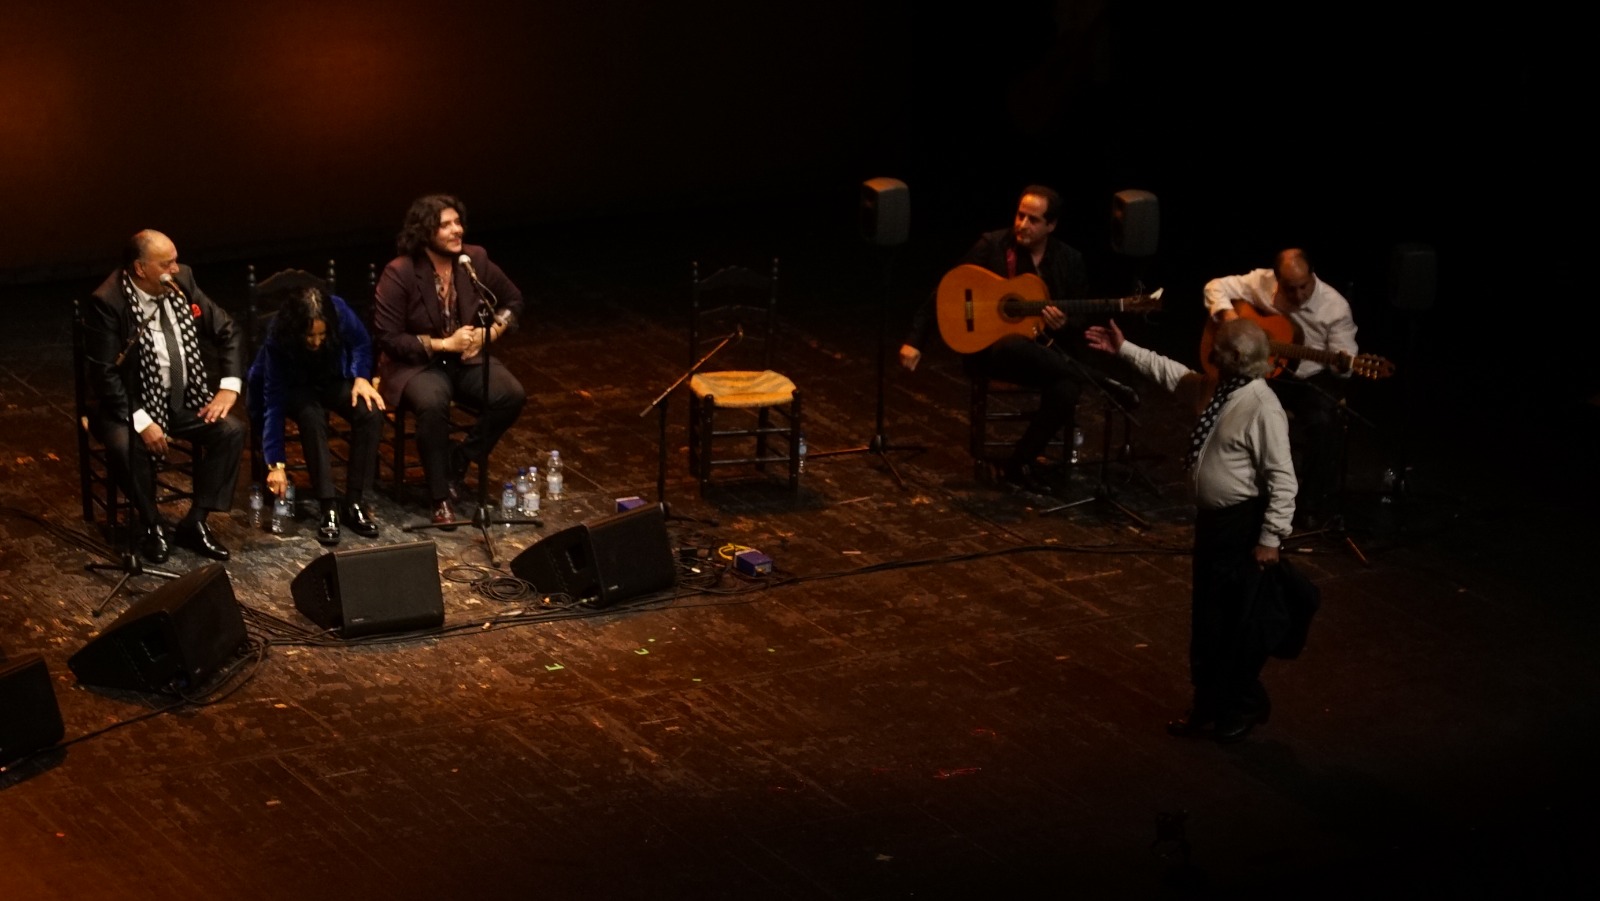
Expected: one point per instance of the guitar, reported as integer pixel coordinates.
(1281, 335)
(977, 308)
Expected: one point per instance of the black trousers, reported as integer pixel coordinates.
(1315, 436)
(429, 394)
(217, 446)
(309, 406)
(1225, 653)
(1060, 381)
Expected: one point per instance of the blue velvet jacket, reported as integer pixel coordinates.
(269, 377)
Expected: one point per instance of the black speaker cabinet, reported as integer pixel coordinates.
(885, 211)
(29, 716)
(173, 637)
(1413, 277)
(601, 563)
(373, 590)
(1135, 223)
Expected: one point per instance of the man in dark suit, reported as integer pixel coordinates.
(152, 317)
(428, 322)
(1028, 246)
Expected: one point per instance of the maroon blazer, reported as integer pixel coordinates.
(407, 305)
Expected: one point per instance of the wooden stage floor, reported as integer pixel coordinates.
(943, 692)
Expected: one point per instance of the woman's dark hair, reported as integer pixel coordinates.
(422, 220)
(294, 317)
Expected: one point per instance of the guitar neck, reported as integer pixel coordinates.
(1301, 352)
(1091, 305)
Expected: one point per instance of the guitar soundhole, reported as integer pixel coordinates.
(1011, 307)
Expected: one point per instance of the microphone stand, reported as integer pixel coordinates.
(879, 443)
(1336, 525)
(129, 564)
(1103, 492)
(660, 405)
(482, 517)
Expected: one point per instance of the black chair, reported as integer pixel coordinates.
(102, 497)
(739, 300)
(1000, 412)
(265, 299)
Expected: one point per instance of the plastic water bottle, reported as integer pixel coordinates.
(282, 510)
(802, 454)
(530, 501)
(552, 476)
(508, 503)
(258, 505)
(523, 486)
(1077, 443)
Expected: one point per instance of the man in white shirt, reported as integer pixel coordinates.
(1311, 391)
(1244, 486)
(145, 329)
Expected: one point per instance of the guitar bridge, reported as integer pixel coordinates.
(966, 309)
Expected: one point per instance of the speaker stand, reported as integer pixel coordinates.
(879, 444)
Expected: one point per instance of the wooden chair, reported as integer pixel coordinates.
(737, 299)
(103, 499)
(265, 299)
(1000, 413)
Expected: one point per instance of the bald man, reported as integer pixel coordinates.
(1311, 392)
(151, 313)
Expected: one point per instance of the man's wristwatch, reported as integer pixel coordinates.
(277, 467)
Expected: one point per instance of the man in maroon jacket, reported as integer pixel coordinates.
(433, 302)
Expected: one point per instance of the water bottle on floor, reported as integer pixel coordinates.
(530, 501)
(281, 512)
(258, 505)
(523, 486)
(553, 476)
(508, 503)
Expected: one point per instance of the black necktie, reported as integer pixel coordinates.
(176, 377)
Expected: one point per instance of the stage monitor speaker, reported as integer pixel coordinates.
(173, 637)
(373, 590)
(1135, 223)
(601, 563)
(29, 717)
(885, 211)
(1413, 277)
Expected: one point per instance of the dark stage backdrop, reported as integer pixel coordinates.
(238, 125)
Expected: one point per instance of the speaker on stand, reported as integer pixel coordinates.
(885, 222)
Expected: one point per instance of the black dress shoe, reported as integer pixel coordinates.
(1234, 727)
(328, 532)
(1192, 724)
(197, 537)
(1024, 476)
(443, 514)
(154, 545)
(359, 520)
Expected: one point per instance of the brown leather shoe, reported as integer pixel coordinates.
(443, 514)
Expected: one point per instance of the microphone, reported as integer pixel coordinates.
(472, 273)
(172, 283)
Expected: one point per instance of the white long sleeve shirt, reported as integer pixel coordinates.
(1247, 453)
(1324, 320)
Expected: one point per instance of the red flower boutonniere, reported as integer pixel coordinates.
(194, 310)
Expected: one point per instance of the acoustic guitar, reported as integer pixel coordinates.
(1282, 334)
(977, 308)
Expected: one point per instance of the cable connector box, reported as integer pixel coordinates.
(752, 563)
